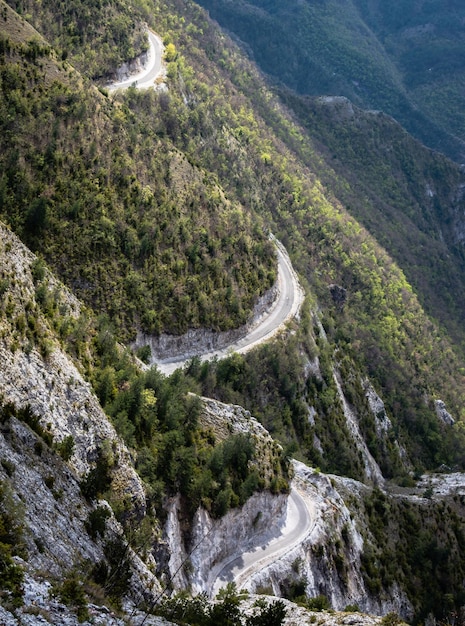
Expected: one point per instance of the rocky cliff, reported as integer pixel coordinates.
(54, 435)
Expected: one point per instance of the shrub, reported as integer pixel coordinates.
(144, 353)
(118, 574)
(272, 615)
(391, 619)
(71, 592)
(97, 521)
(8, 466)
(98, 479)
(66, 448)
(11, 544)
(319, 603)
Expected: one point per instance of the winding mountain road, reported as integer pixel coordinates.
(290, 297)
(153, 68)
(284, 308)
(299, 523)
(290, 293)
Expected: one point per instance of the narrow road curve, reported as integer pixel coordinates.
(299, 523)
(153, 68)
(290, 293)
(284, 308)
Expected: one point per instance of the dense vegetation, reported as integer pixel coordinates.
(159, 245)
(97, 36)
(11, 544)
(136, 239)
(406, 60)
(421, 544)
(226, 610)
(155, 207)
(381, 321)
(408, 198)
(175, 454)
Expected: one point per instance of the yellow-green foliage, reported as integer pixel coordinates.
(420, 543)
(160, 246)
(382, 325)
(95, 37)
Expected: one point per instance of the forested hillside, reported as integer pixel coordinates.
(154, 207)
(98, 36)
(409, 198)
(405, 58)
(172, 257)
(136, 228)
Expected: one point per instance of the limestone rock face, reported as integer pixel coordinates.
(198, 341)
(443, 414)
(42, 379)
(54, 509)
(382, 422)
(215, 541)
(329, 559)
(372, 471)
(51, 384)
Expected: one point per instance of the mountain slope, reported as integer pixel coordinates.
(425, 42)
(379, 325)
(402, 60)
(408, 197)
(98, 37)
(78, 167)
(155, 209)
(376, 324)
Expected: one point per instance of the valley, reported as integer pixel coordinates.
(202, 423)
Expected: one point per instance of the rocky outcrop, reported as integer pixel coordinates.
(54, 510)
(132, 67)
(213, 542)
(382, 422)
(50, 384)
(299, 616)
(41, 608)
(199, 341)
(372, 471)
(328, 561)
(48, 387)
(443, 414)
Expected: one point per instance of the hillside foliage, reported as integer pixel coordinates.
(160, 247)
(417, 543)
(97, 36)
(155, 206)
(406, 60)
(145, 258)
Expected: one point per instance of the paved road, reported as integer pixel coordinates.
(152, 70)
(299, 522)
(291, 295)
(284, 308)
